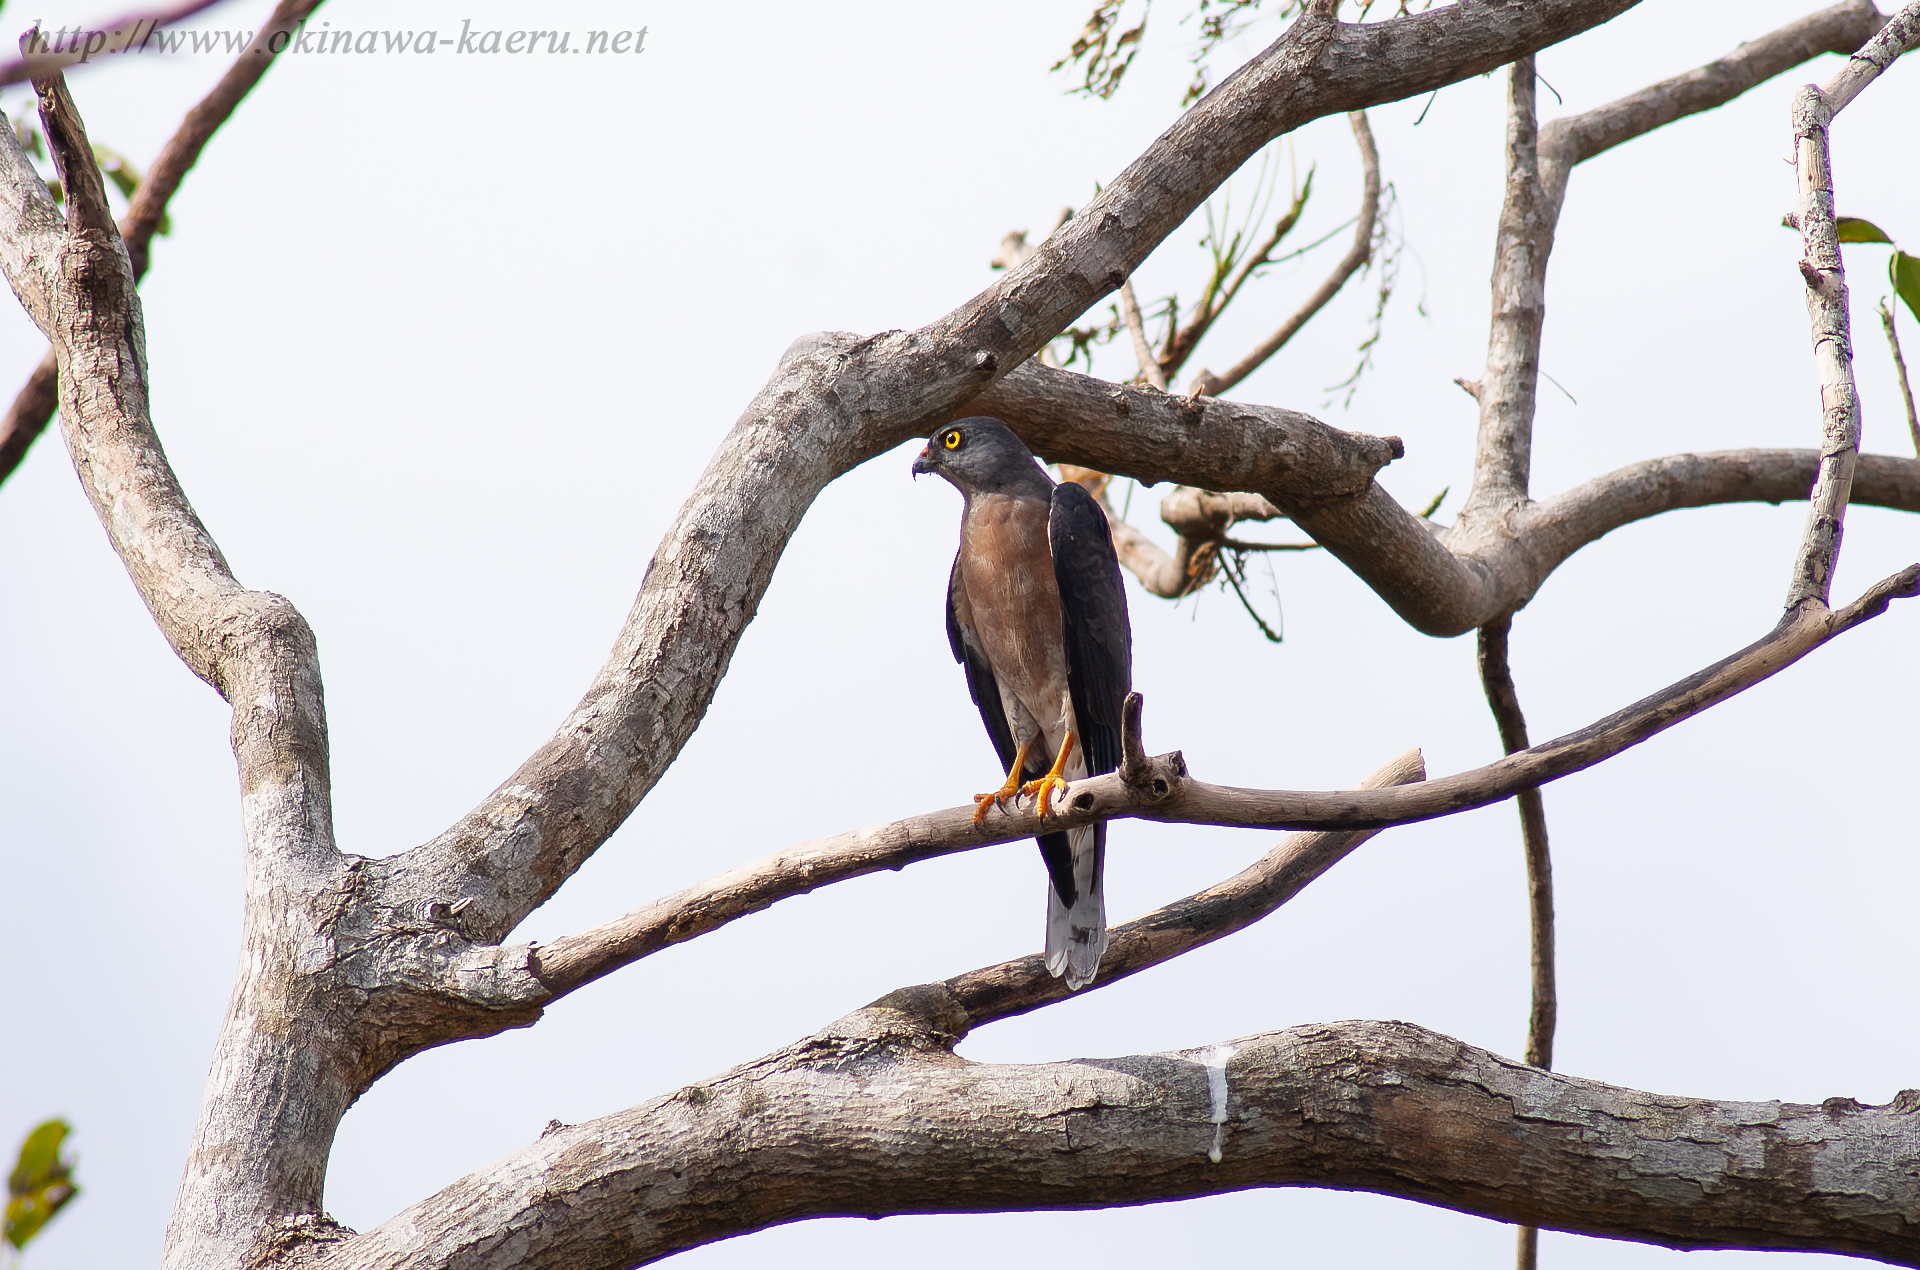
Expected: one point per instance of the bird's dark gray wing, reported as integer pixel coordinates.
(1093, 617)
(985, 690)
(981, 685)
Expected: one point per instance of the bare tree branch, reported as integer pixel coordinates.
(1504, 700)
(1358, 254)
(1900, 369)
(1137, 328)
(1472, 573)
(33, 406)
(575, 960)
(1828, 309)
(1537, 169)
(1022, 985)
(1503, 449)
(337, 1002)
(1442, 582)
(28, 416)
(1161, 790)
(875, 1116)
(1566, 142)
(255, 1150)
(1496, 677)
(1900, 34)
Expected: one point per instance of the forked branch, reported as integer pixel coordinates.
(1827, 307)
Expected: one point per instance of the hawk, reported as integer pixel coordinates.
(1037, 615)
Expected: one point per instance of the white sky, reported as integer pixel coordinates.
(438, 346)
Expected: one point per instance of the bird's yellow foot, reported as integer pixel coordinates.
(982, 802)
(1042, 789)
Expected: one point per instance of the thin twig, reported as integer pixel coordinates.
(33, 407)
(1900, 366)
(1358, 254)
(1137, 327)
(1238, 545)
(1496, 677)
(1214, 300)
(1023, 984)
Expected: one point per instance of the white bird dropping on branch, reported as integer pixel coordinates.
(1216, 1064)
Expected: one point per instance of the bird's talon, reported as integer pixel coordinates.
(1042, 791)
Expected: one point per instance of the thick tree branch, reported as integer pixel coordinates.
(33, 406)
(1503, 452)
(575, 960)
(1442, 582)
(1358, 254)
(876, 1116)
(1137, 330)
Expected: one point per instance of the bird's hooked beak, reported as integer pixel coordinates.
(928, 460)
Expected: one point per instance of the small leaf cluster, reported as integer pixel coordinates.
(40, 1185)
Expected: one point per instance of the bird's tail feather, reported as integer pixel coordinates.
(1077, 930)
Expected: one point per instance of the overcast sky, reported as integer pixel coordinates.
(439, 344)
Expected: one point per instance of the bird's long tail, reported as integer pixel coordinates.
(1076, 903)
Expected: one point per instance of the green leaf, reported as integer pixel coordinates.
(1854, 230)
(1904, 270)
(40, 1185)
(125, 177)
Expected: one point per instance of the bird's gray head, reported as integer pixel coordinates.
(982, 456)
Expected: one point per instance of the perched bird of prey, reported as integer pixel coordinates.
(1037, 615)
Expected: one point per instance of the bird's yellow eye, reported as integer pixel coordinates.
(952, 440)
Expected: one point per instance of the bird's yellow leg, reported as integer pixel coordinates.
(983, 801)
(1044, 787)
